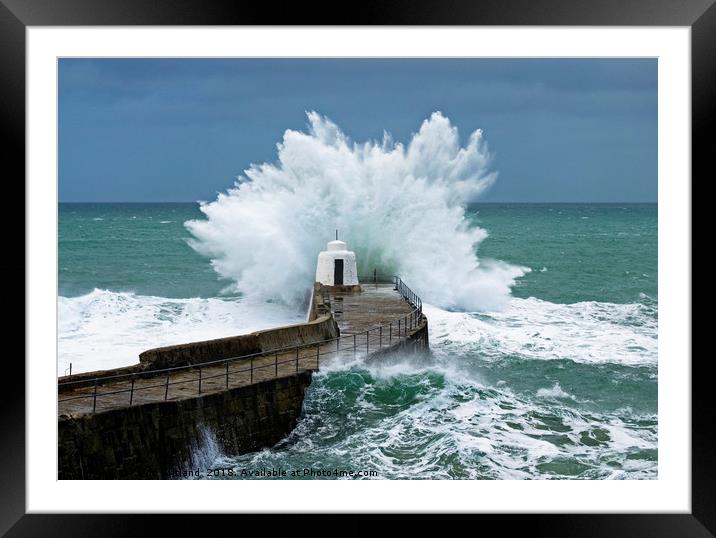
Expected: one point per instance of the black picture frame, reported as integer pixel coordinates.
(699, 15)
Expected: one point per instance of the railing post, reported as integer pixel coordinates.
(398, 329)
(131, 393)
(390, 333)
(166, 387)
(199, 379)
(338, 346)
(227, 374)
(276, 366)
(94, 399)
(297, 359)
(355, 347)
(380, 337)
(251, 377)
(318, 355)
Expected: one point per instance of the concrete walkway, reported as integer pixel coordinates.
(375, 305)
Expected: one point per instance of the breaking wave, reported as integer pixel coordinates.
(107, 329)
(401, 208)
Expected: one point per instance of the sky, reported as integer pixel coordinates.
(182, 130)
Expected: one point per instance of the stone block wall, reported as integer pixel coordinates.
(317, 330)
(154, 441)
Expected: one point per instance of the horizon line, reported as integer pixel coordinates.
(468, 203)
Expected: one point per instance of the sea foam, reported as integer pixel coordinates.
(589, 332)
(107, 329)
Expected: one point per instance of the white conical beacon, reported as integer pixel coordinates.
(337, 265)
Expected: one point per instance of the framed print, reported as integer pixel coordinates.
(432, 261)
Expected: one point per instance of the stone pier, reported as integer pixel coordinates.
(244, 393)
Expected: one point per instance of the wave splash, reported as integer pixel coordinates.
(399, 207)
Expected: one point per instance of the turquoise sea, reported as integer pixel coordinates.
(559, 382)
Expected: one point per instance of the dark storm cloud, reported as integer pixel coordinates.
(178, 129)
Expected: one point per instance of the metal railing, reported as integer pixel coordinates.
(247, 369)
(375, 277)
(408, 294)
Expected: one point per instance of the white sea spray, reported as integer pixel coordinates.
(401, 208)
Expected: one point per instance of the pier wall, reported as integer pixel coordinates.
(319, 328)
(150, 440)
(153, 441)
(320, 304)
